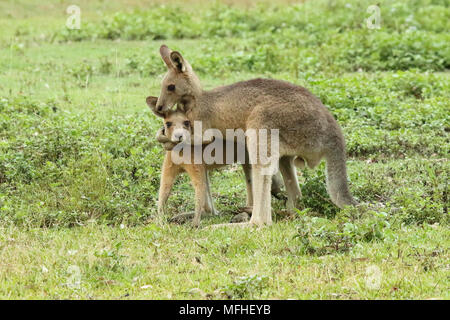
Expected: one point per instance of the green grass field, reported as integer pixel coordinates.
(79, 165)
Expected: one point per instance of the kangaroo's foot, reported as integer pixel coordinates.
(239, 224)
(210, 213)
(260, 222)
(220, 225)
(182, 218)
(286, 215)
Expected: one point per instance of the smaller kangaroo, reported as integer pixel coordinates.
(176, 127)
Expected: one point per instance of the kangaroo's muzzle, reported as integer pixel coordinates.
(180, 135)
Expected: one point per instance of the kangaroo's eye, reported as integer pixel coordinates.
(186, 123)
(171, 87)
(168, 124)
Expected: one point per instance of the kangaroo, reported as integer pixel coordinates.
(176, 128)
(307, 129)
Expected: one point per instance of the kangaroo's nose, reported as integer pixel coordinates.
(178, 136)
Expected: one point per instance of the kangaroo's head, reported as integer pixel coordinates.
(177, 127)
(179, 83)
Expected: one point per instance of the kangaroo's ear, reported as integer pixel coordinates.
(151, 102)
(178, 61)
(164, 51)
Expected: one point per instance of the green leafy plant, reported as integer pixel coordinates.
(248, 287)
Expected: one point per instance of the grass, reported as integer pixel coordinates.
(175, 262)
(79, 166)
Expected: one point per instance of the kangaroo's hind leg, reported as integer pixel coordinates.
(264, 159)
(289, 173)
(198, 175)
(248, 182)
(168, 174)
(277, 184)
(262, 211)
(210, 209)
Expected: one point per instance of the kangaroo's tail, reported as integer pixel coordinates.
(337, 179)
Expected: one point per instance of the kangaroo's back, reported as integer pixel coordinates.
(279, 104)
(248, 94)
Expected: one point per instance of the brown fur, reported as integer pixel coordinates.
(198, 173)
(307, 129)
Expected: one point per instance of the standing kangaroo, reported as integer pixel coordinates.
(176, 127)
(307, 130)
